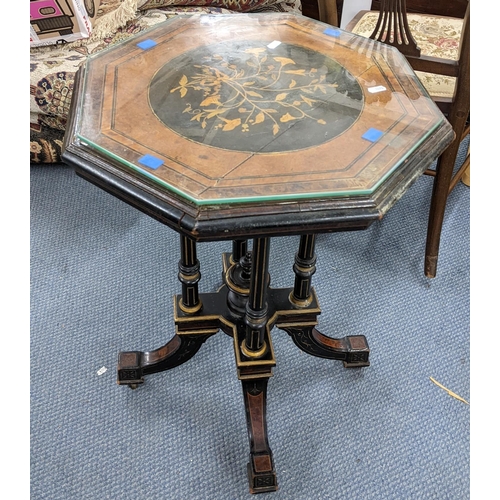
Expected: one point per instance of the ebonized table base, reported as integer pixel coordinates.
(246, 308)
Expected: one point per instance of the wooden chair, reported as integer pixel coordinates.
(322, 10)
(391, 21)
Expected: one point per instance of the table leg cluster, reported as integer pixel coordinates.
(246, 308)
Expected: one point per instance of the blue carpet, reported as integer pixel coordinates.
(102, 280)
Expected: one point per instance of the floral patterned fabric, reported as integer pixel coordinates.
(238, 5)
(436, 37)
(53, 68)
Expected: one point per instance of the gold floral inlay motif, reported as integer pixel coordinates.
(264, 89)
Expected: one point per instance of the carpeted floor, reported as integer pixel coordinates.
(102, 280)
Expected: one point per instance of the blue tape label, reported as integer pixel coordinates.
(150, 161)
(372, 135)
(146, 44)
(332, 32)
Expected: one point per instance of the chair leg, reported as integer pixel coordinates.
(466, 175)
(458, 117)
(440, 191)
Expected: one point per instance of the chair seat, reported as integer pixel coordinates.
(436, 36)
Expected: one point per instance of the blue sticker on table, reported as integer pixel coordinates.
(146, 44)
(332, 32)
(372, 135)
(150, 161)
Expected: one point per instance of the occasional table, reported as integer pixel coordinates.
(244, 128)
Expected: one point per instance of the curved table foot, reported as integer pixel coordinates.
(133, 365)
(353, 350)
(261, 471)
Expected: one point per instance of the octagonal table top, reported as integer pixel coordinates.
(255, 113)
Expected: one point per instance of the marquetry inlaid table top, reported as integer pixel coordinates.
(274, 118)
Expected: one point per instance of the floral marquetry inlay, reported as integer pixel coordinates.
(259, 108)
(241, 88)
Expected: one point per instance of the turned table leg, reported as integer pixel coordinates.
(255, 364)
(304, 268)
(256, 317)
(189, 276)
(133, 365)
(352, 350)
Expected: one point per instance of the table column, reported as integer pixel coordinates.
(254, 345)
(189, 276)
(304, 268)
